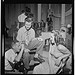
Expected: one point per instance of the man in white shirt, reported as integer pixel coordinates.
(21, 19)
(12, 57)
(27, 35)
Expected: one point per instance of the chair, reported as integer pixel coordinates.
(61, 69)
(18, 68)
(33, 51)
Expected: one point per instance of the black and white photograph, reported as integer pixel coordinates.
(37, 38)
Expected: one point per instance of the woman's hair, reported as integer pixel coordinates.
(64, 29)
(56, 36)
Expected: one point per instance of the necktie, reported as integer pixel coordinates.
(27, 37)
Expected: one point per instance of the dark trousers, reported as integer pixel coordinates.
(33, 44)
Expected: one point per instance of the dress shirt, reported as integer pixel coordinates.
(9, 56)
(24, 35)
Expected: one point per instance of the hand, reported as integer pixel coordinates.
(36, 55)
(26, 50)
(57, 62)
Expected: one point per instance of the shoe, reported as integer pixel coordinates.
(28, 68)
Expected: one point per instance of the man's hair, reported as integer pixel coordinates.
(27, 9)
(23, 11)
(29, 19)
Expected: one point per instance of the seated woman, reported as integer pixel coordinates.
(12, 57)
(57, 52)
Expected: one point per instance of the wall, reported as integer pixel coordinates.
(56, 8)
(67, 7)
(33, 8)
(34, 11)
(68, 16)
(11, 13)
(68, 19)
(57, 12)
(13, 10)
(44, 11)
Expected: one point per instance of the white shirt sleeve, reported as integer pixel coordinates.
(19, 34)
(9, 55)
(21, 18)
(33, 34)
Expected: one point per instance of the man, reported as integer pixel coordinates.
(67, 42)
(42, 25)
(27, 35)
(69, 26)
(11, 56)
(50, 23)
(66, 38)
(21, 19)
(69, 36)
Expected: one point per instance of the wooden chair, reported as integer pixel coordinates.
(61, 69)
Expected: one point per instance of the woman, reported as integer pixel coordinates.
(57, 52)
